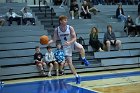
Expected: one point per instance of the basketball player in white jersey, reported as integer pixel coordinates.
(67, 35)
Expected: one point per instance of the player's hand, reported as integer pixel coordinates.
(67, 43)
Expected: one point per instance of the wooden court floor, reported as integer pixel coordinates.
(117, 81)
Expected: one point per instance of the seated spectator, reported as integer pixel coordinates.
(27, 16)
(51, 61)
(74, 9)
(120, 13)
(38, 57)
(129, 26)
(96, 2)
(110, 39)
(60, 58)
(57, 2)
(138, 25)
(12, 16)
(131, 2)
(85, 10)
(93, 41)
(2, 21)
(139, 8)
(92, 9)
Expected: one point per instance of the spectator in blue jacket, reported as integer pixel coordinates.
(60, 58)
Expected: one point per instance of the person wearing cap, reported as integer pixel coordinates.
(27, 16)
(129, 26)
(12, 16)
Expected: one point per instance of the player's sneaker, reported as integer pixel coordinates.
(85, 62)
(78, 80)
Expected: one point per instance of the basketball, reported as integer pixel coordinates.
(44, 40)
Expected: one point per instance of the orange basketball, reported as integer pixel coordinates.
(44, 40)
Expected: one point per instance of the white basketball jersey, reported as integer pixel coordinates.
(64, 36)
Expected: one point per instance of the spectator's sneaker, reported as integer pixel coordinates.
(49, 74)
(136, 35)
(80, 18)
(33, 23)
(61, 72)
(85, 62)
(72, 18)
(78, 80)
(42, 73)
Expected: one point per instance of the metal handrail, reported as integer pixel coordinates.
(52, 16)
(40, 6)
(46, 5)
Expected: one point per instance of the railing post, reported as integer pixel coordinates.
(40, 6)
(45, 3)
(34, 2)
(51, 16)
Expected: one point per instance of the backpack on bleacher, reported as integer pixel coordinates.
(81, 41)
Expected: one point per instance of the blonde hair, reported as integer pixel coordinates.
(62, 17)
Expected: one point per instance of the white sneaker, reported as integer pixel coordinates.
(80, 18)
(49, 74)
(72, 18)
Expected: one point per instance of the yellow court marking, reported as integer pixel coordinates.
(112, 84)
(55, 77)
(70, 76)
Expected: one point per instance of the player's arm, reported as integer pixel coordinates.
(54, 38)
(73, 35)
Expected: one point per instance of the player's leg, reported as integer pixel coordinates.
(73, 70)
(68, 56)
(81, 50)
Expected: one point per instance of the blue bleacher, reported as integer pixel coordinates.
(17, 42)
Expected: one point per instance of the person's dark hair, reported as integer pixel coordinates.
(95, 29)
(10, 9)
(37, 47)
(25, 8)
(58, 42)
(109, 26)
(48, 47)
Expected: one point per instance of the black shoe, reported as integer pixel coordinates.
(61, 72)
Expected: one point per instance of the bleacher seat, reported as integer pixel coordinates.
(17, 44)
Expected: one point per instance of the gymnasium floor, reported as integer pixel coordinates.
(116, 81)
